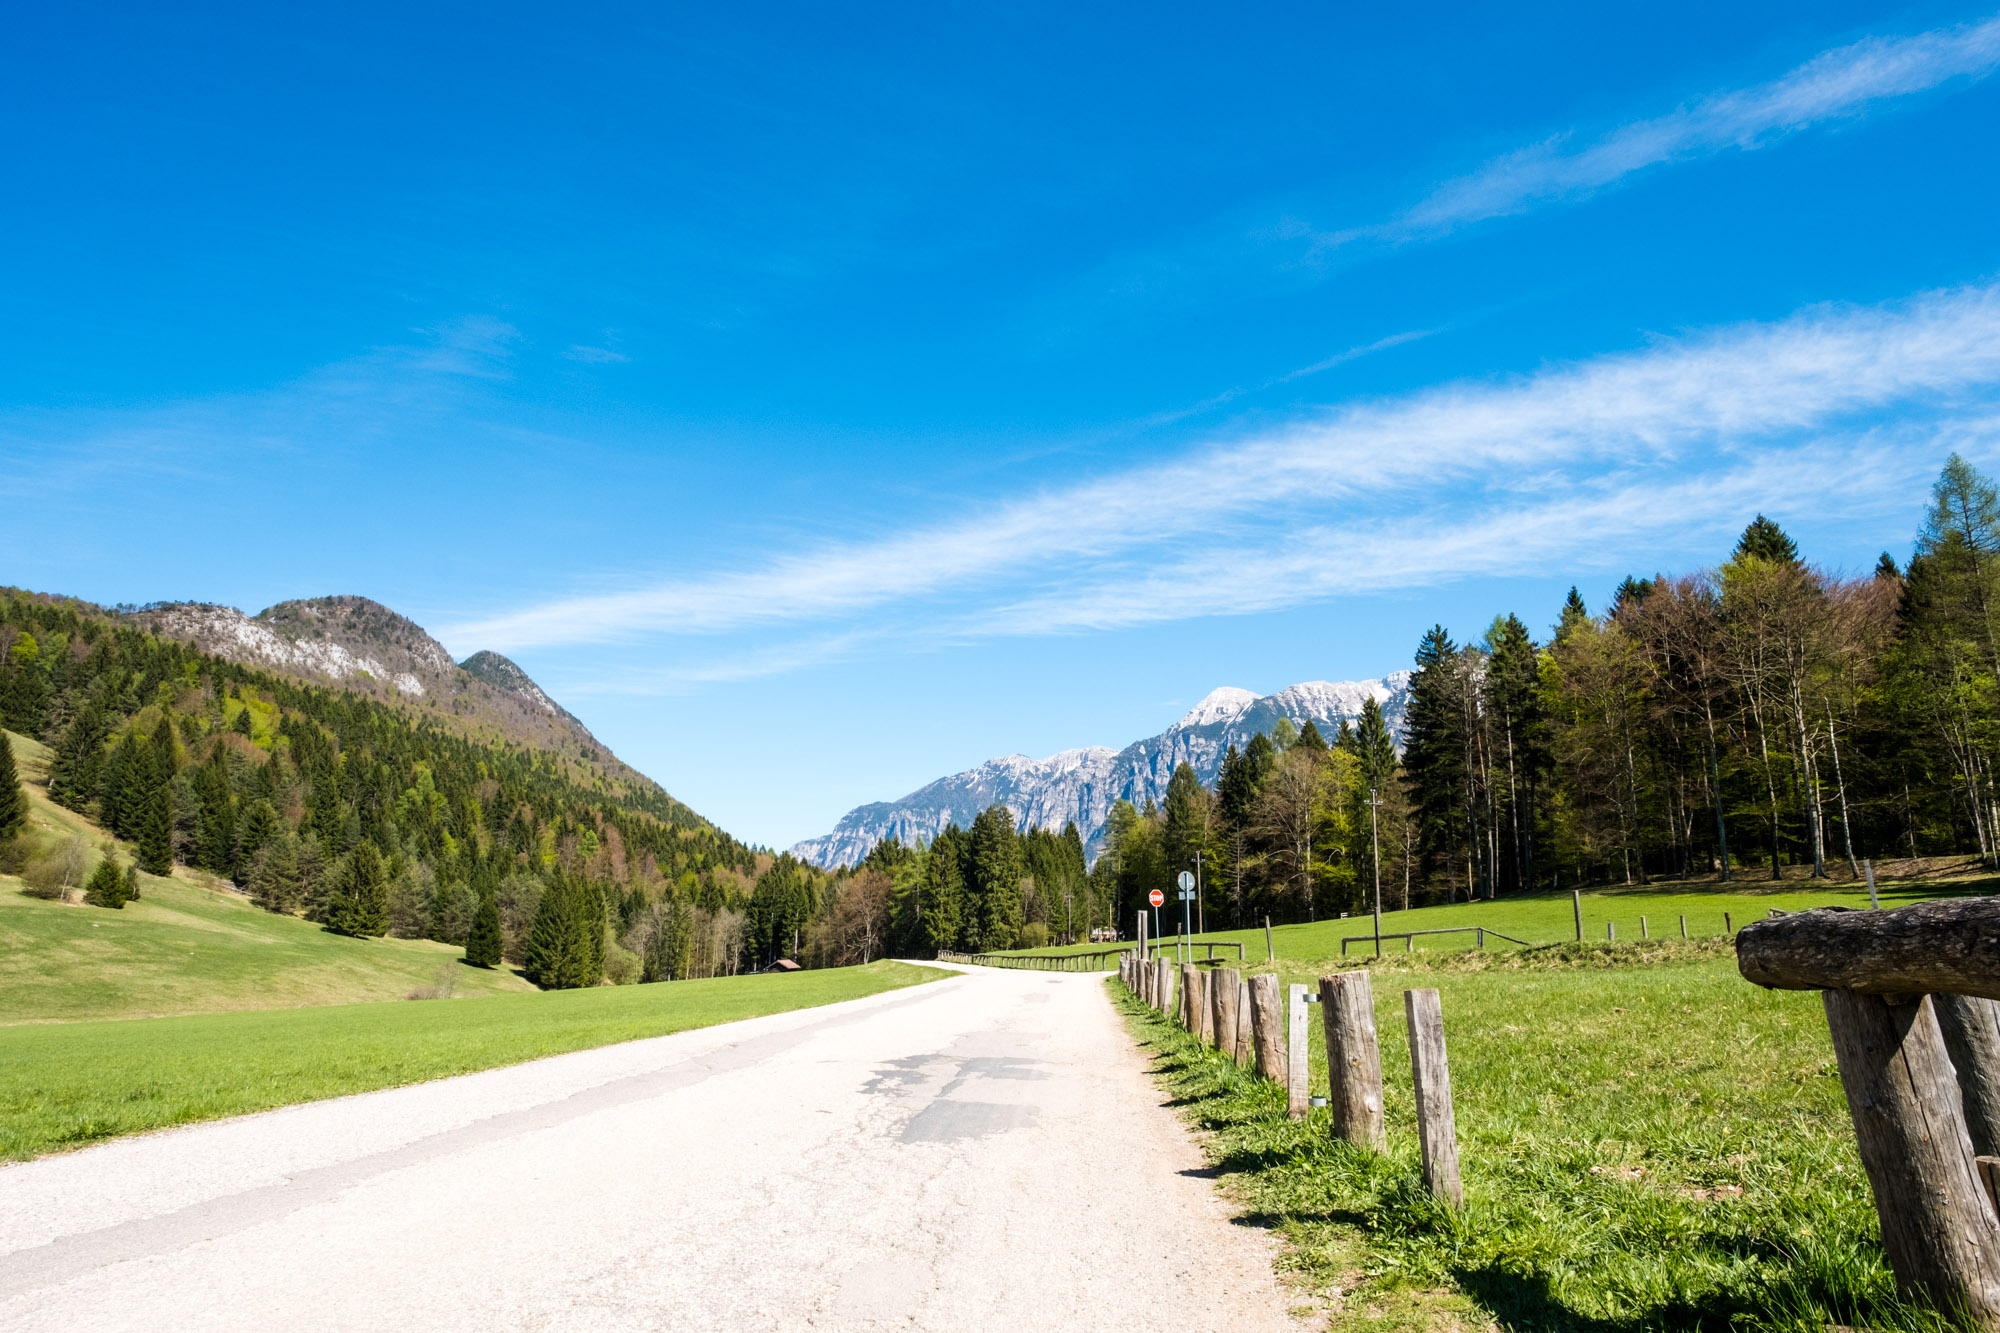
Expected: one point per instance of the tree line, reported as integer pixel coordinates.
(1765, 717)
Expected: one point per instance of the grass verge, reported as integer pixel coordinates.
(63, 1085)
(1647, 1143)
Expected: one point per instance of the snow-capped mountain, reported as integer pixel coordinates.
(1083, 785)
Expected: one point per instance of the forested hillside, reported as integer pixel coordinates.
(326, 803)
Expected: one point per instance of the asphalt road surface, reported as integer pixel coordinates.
(984, 1152)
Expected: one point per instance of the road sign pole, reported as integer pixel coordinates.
(1375, 840)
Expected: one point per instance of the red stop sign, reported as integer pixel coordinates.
(1156, 897)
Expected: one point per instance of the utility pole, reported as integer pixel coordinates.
(1375, 842)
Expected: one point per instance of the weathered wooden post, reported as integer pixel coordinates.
(1267, 1027)
(1971, 1029)
(1201, 999)
(1611, 931)
(1684, 925)
(1576, 905)
(1437, 1130)
(1353, 1058)
(1246, 1045)
(1644, 934)
(1880, 972)
(1166, 988)
(1270, 949)
(1222, 986)
(1298, 1065)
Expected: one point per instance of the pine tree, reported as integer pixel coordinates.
(943, 903)
(275, 882)
(1765, 540)
(215, 851)
(154, 834)
(482, 943)
(1310, 739)
(240, 724)
(121, 790)
(13, 800)
(996, 878)
(559, 951)
(1434, 743)
(1574, 614)
(1885, 568)
(79, 757)
(107, 885)
(1375, 746)
(358, 900)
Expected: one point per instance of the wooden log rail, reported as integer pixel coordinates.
(1170, 944)
(1909, 997)
(1409, 937)
(1040, 962)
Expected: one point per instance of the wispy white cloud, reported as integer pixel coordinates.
(1836, 85)
(596, 356)
(1489, 476)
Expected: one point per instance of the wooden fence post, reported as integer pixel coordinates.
(1246, 1037)
(1166, 988)
(1938, 1225)
(1353, 1058)
(1644, 934)
(1192, 995)
(1684, 925)
(1971, 1029)
(1270, 949)
(1437, 1131)
(1576, 905)
(1267, 1028)
(1611, 931)
(1201, 986)
(1298, 1064)
(1223, 984)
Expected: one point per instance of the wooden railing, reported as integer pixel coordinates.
(1039, 962)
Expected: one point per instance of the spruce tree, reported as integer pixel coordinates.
(132, 883)
(107, 885)
(996, 878)
(1375, 746)
(483, 942)
(942, 902)
(1574, 613)
(557, 956)
(1434, 743)
(121, 789)
(1765, 540)
(13, 800)
(275, 882)
(358, 901)
(73, 772)
(1309, 737)
(215, 850)
(154, 834)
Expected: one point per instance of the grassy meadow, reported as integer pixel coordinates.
(1647, 1142)
(63, 1085)
(192, 1003)
(191, 945)
(1548, 918)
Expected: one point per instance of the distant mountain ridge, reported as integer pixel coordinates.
(1084, 784)
(357, 644)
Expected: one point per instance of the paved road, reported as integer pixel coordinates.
(979, 1153)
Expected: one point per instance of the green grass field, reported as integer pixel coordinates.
(1547, 918)
(62, 1085)
(190, 946)
(1647, 1142)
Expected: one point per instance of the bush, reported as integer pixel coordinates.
(1035, 935)
(58, 873)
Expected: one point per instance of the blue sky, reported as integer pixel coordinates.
(820, 402)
